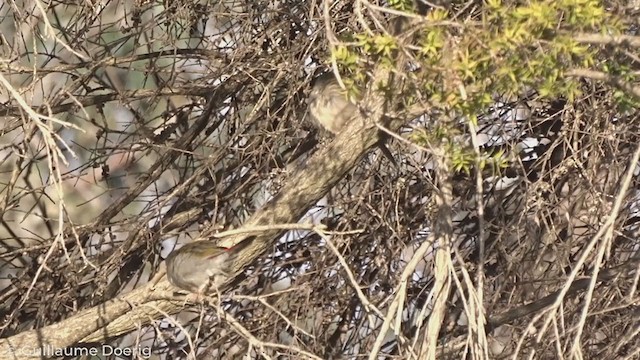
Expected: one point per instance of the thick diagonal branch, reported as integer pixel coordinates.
(308, 184)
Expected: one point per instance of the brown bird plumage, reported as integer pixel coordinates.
(202, 266)
(331, 109)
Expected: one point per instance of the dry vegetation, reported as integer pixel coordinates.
(130, 126)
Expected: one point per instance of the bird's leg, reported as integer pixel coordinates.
(211, 284)
(203, 290)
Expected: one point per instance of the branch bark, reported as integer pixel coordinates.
(308, 184)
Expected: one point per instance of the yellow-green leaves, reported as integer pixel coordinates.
(624, 73)
(377, 45)
(466, 65)
(456, 66)
(346, 58)
(402, 5)
(432, 42)
(384, 45)
(583, 13)
(494, 5)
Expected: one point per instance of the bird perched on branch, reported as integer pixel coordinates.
(332, 110)
(202, 266)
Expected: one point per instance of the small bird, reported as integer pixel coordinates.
(332, 110)
(202, 266)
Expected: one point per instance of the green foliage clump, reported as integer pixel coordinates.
(508, 48)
